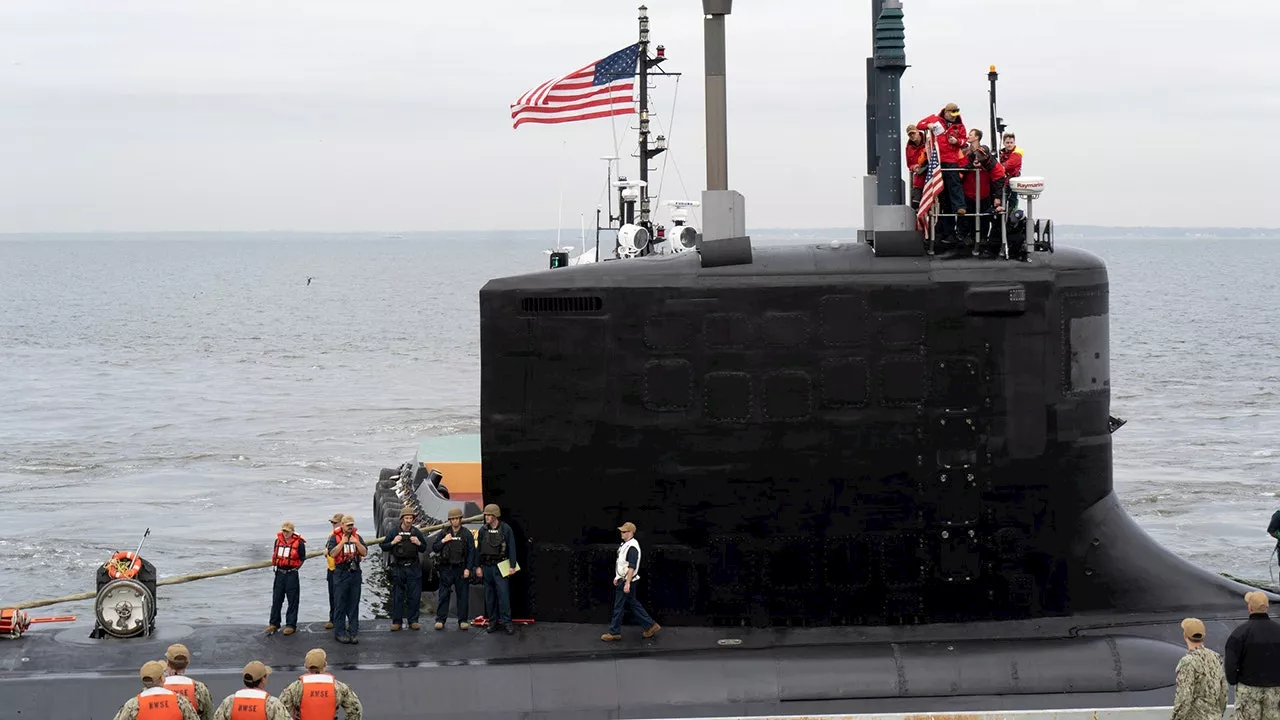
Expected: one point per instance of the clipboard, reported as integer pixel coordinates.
(507, 569)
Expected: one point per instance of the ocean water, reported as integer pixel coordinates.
(199, 387)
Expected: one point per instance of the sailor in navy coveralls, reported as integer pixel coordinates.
(626, 572)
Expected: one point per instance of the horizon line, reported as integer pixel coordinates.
(827, 228)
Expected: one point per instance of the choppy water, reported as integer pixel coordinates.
(201, 388)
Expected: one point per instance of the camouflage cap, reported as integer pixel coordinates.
(1193, 629)
(152, 671)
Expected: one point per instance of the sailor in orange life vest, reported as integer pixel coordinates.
(253, 702)
(156, 702)
(346, 547)
(318, 695)
(197, 693)
(626, 572)
(336, 522)
(405, 548)
(495, 544)
(287, 556)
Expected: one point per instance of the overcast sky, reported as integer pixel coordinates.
(394, 114)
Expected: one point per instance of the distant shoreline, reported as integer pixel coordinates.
(570, 236)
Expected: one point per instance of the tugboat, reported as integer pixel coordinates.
(866, 480)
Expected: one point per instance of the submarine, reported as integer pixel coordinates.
(866, 480)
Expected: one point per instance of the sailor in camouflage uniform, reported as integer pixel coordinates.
(154, 699)
(1202, 685)
(1251, 661)
(317, 695)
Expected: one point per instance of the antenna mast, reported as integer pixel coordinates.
(647, 153)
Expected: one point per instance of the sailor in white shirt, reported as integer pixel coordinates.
(626, 573)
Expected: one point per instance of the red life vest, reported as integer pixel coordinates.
(286, 555)
(184, 686)
(158, 703)
(249, 704)
(346, 551)
(319, 697)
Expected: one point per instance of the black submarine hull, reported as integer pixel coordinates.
(820, 437)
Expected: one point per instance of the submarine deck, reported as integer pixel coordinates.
(564, 670)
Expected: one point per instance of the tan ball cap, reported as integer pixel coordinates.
(152, 671)
(316, 659)
(1193, 629)
(177, 651)
(255, 671)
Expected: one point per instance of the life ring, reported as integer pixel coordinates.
(119, 566)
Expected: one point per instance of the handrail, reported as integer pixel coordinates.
(935, 213)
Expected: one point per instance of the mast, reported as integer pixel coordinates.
(889, 223)
(873, 151)
(890, 60)
(994, 143)
(647, 153)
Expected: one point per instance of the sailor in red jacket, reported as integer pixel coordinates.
(917, 163)
(287, 555)
(1011, 158)
(983, 189)
(949, 131)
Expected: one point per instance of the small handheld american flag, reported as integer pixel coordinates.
(932, 183)
(601, 89)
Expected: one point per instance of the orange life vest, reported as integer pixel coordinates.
(319, 697)
(158, 703)
(286, 555)
(184, 686)
(346, 551)
(249, 704)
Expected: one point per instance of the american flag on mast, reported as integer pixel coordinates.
(601, 89)
(932, 183)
